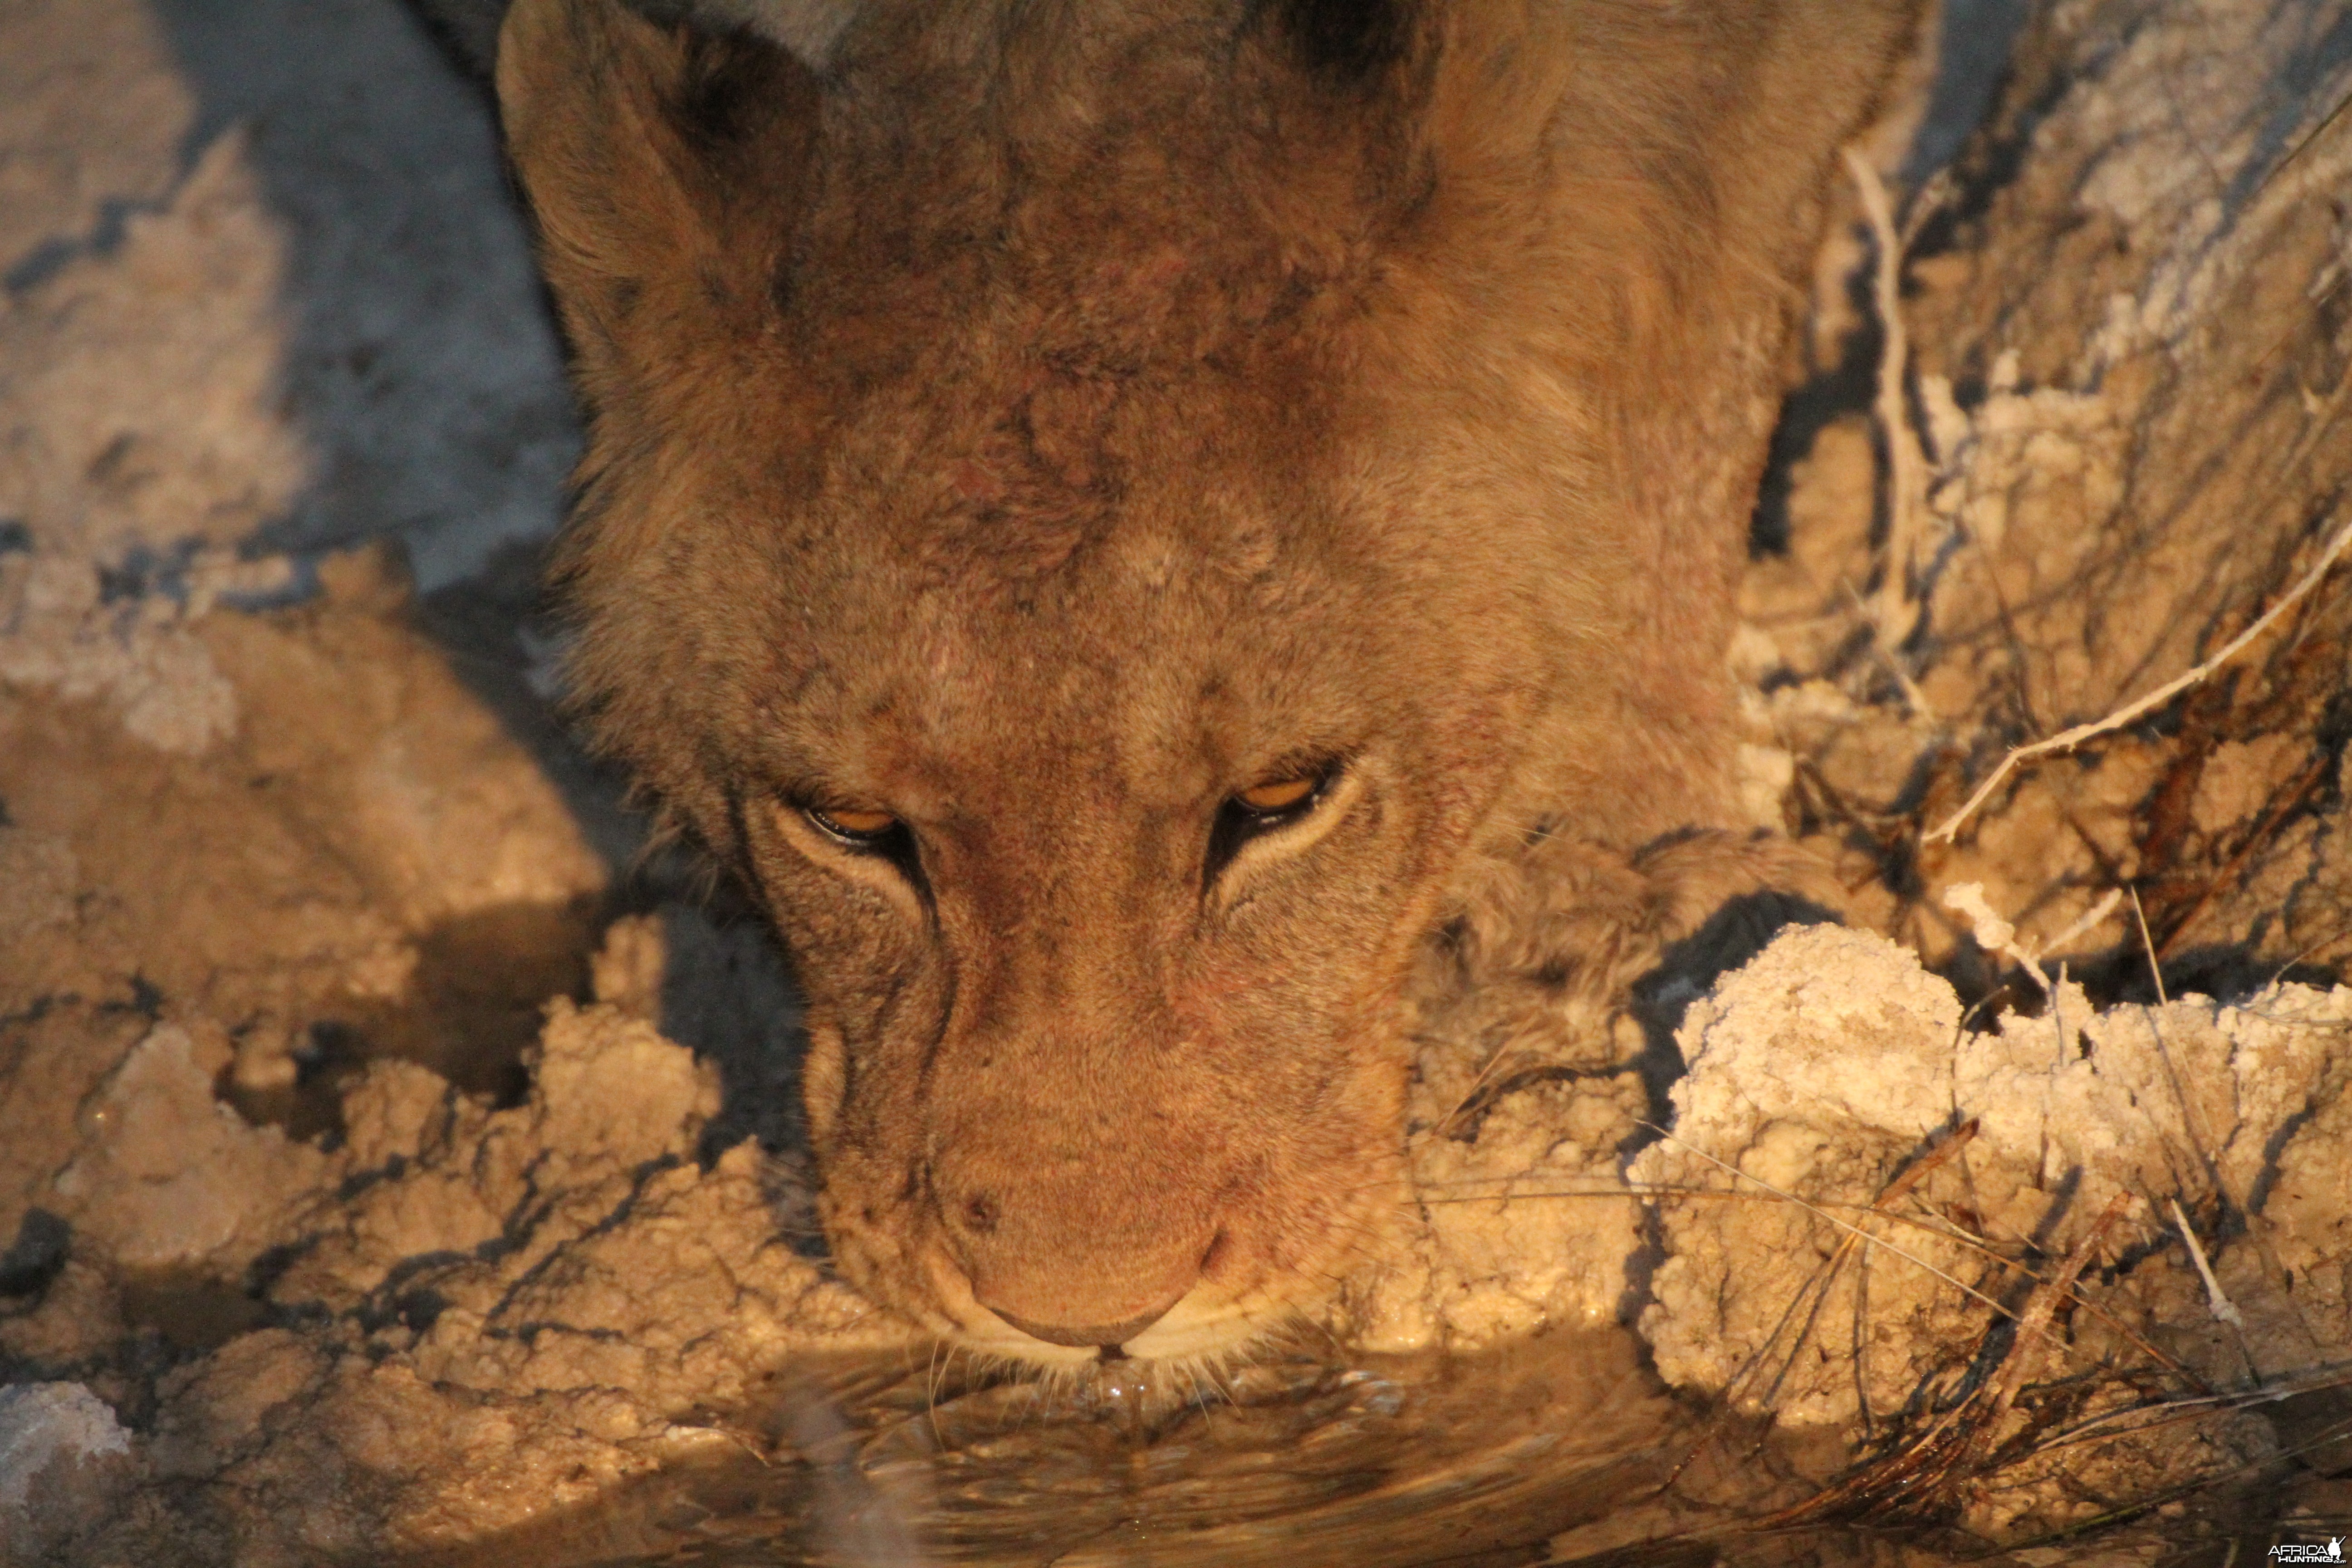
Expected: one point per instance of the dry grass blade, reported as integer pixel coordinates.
(1919, 1476)
(1814, 1294)
(1815, 1209)
(1818, 1286)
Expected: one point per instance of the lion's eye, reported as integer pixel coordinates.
(1267, 807)
(853, 825)
(1279, 794)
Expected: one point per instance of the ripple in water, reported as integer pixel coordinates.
(1561, 1450)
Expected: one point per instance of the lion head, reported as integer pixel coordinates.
(1115, 516)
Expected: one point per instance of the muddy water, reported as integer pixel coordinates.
(1559, 1450)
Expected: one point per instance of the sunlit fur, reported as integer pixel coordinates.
(1058, 416)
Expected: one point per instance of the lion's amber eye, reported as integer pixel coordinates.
(1279, 794)
(851, 824)
(1270, 806)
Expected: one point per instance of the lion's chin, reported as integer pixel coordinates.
(1191, 1335)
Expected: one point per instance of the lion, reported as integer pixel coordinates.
(1132, 524)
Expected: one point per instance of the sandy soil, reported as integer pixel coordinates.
(391, 1161)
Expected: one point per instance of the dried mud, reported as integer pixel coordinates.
(396, 1161)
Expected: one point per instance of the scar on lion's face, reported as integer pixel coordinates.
(1137, 527)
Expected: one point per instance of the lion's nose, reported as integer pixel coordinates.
(1068, 1273)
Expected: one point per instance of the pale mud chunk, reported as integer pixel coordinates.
(145, 406)
(196, 877)
(57, 631)
(417, 783)
(610, 1098)
(167, 1176)
(609, 1092)
(396, 1110)
(2306, 1220)
(630, 965)
(630, 1287)
(684, 1299)
(268, 1056)
(1528, 1227)
(1813, 1070)
(54, 1059)
(2153, 1099)
(65, 1461)
(92, 112)
(1833, 1058)
(1780, 1034)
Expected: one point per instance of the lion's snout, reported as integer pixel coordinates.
(1082, 1252)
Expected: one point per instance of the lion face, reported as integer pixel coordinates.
(1104, 845)
(1104, 879)
(1102, 521)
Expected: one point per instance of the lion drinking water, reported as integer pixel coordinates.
(1127, 522)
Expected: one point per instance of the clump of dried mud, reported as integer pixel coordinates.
(1974, 1240)
(384, 1167)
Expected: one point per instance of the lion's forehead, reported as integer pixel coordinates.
(1110, 686)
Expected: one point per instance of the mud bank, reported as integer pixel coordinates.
(462, 1320)
(387, 1167)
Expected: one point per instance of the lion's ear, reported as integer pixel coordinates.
(662, 165)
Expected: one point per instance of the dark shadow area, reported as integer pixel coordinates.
(2226, 972)
(189, 1311)
(420, 366)
(1973, 65)
(466, 30)
(33, 1260)
(728, 992)
(1805, 412)
(1972, 49)
(470, 1012)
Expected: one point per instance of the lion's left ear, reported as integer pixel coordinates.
(664, 165)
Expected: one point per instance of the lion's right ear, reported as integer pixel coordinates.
(664, 166)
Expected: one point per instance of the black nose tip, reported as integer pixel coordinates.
(1108, 1336)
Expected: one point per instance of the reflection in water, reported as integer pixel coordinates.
(1561, 1450)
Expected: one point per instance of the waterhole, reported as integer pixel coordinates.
(1561, 1450)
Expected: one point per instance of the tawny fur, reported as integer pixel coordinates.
(1057, 417)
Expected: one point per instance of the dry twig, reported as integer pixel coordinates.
(2068, 740)
(1894, 614)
